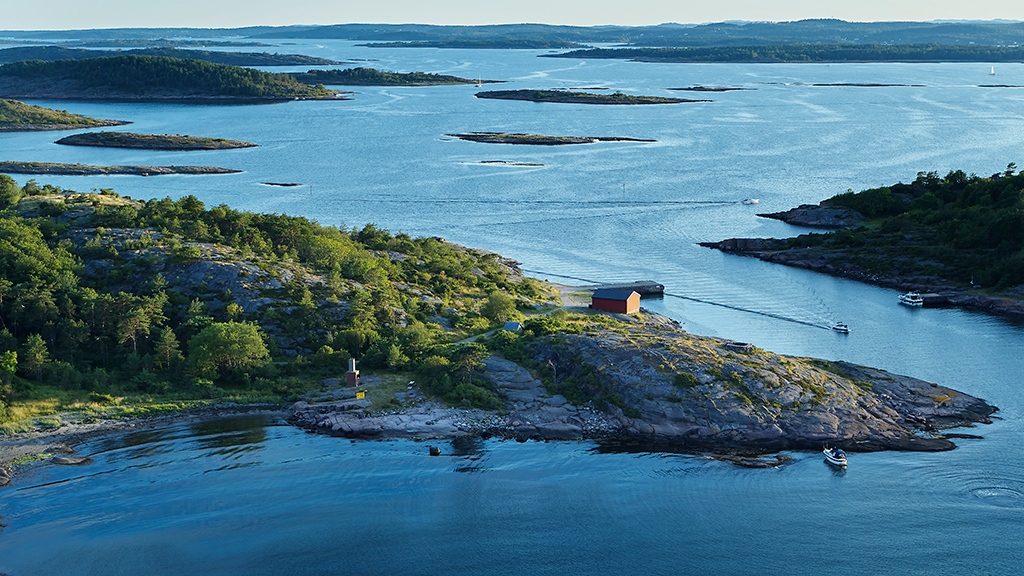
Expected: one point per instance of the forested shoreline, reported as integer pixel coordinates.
(960, 235)
(105, 300)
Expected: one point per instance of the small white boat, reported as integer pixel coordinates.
(993, 72)
(750, 201)
(835, 456)
(911, 299)
(841, 328)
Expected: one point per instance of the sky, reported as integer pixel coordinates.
(79, 14)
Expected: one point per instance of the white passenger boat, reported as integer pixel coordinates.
(911, 299)
(835, 456)
(841, 328)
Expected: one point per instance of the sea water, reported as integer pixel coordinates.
(257, 496)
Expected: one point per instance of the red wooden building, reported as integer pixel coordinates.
(621, 301)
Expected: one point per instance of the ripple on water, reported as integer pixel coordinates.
(998, 496)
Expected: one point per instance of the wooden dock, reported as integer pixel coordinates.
(645, 288)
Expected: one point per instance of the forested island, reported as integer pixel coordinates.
(151, 78)
(151, 141)
(49, 53)
(115, 308)
(538, 139)
(565, 96)
(371, 77)
(807, 53)
(959, 236)
(21, 117)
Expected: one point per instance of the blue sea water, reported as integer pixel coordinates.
(254, 496)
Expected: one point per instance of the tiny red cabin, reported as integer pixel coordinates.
(621, 301)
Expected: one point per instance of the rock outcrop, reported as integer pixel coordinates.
(653, 383)
(818, 216)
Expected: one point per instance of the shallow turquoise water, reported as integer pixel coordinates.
(257, 497)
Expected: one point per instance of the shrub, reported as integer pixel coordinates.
(686, 380)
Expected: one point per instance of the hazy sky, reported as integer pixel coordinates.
(74, 14)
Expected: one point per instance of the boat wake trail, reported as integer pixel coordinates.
(749, 311)
(702, 301)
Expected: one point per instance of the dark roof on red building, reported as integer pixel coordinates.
(606, 294)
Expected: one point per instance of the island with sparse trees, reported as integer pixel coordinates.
(151, 141)
(21, 117)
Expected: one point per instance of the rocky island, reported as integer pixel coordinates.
(151, 141)
(710, 89)
(564, 96)
(89, 170)
(537, 139)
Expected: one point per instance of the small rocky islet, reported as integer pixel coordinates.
(538, 139)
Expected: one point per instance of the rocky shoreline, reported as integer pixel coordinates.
(817, 216)
(740, 405)
(819, 260)
(740, 400)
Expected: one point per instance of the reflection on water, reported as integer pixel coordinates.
(231, 432)
(309, 502)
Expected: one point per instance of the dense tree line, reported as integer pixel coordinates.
(961, 227)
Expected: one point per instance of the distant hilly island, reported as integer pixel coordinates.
(51, 53)
(825, 31)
